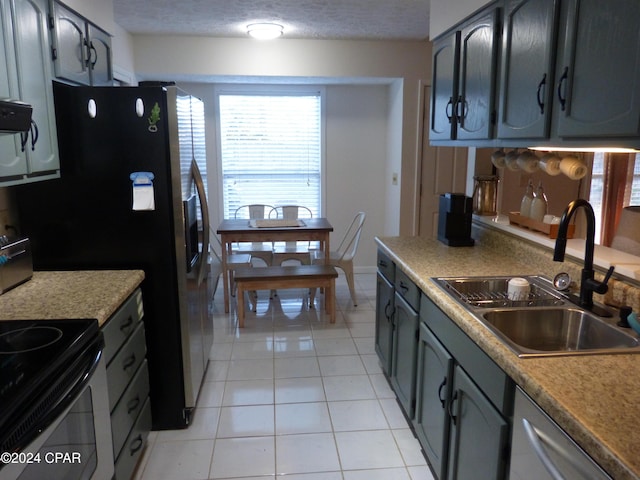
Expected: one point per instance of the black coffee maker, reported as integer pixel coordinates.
(454, 220)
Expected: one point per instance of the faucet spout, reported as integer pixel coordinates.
(587, 284)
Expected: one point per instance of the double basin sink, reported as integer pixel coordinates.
(542, 323)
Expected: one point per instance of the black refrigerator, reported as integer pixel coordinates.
(131, 196)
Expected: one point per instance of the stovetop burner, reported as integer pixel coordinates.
(24, 340)
(34, 355)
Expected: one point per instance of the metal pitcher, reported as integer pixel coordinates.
(485, 194)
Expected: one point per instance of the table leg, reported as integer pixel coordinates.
(240, 303)
(330, 300)
(226, 246)
(326, 249)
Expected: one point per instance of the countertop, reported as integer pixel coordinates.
(74, 294)
(593, 398)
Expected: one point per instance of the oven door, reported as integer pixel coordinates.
(77, 445)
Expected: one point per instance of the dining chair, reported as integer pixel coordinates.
(234, 261)
(263, 251)
(291, 250)
(342, 257)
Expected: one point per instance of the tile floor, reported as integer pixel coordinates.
(292, 395)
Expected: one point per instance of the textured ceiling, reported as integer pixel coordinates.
(315, 19)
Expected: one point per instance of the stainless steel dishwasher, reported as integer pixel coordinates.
(542, 450)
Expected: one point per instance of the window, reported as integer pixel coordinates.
(615, 183)
(596, 193)
(270, 149)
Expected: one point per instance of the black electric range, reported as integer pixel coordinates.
(43, 363)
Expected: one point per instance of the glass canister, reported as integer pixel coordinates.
(485, 194)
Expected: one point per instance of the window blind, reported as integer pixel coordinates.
(270, 148)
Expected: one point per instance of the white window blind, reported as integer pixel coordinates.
(270, 148)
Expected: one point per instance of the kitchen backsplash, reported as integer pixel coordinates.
(620, 293)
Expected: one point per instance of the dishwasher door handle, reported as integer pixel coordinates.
(538, 447)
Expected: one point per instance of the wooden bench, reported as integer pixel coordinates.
(276, 277)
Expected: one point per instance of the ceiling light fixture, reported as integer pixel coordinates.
(265, 31)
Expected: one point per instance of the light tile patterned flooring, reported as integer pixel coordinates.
(292, 395)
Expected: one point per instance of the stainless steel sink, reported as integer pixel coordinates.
(546, 331)
(545, 323)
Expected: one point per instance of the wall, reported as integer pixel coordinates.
(444, 14)
(357, 138)
(398, 66)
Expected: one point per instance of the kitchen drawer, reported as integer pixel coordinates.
(407, 289)
(488, 376)
(386, 267)
(122, 324)
(125, 364)
(128, 407)
(134, 445)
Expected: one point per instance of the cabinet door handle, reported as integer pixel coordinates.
(403, 287)
(388, 313)
(135, 445)
(126, 324)
(541, 86)
(442, 385)
(382, 264)
(460, 109)
(562, 89)
(129, 362)
(92, 53)
(35, 134)
(24, 138)
(453, 399)
(446, 110)
(133, 404)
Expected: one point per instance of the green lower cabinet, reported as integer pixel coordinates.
(479, 434)
(433, 387)
(404, 354)
(384, 322)
(464, 402)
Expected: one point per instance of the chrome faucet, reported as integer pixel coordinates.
(588, 284)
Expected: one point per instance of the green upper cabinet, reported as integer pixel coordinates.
(26, 50)
(527, 67)
(598, 71)
(12, 162)
(463, 89)
(100, 56)
(474, 108)
(569, 75)
(81, 51)
(444, 87)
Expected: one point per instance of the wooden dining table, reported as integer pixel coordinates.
(241, 230)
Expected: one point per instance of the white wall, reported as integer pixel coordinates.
(444, 14)
(372, 86)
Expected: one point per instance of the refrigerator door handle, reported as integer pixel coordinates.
(204, 211)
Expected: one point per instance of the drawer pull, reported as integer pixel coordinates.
(133, 404)
(135, 445)
(442, 385)
(403, 286)
(129, 362)
(126, 324)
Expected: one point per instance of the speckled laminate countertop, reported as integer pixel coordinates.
(75, 294)
(593, 398)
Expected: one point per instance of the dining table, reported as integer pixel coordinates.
(269, 230)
